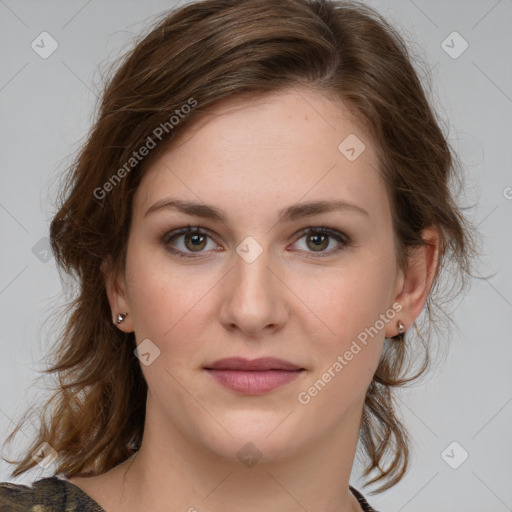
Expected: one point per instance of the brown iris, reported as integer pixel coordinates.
(320, 241)
(195, 239)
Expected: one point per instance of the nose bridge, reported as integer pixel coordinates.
(252, 299)
(251, 274)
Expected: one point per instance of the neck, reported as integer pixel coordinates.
(170, 469)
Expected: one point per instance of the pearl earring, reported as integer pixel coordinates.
(400, 327)
(120, 317)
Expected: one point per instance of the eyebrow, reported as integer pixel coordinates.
(288, 214)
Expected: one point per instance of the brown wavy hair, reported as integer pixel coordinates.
(208, 51)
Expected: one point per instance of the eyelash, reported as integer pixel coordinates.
(340, 237)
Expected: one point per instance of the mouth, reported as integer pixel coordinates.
(255, 377)
(260, 364)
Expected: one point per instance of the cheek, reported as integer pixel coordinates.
(348, 346)
(345, 309)
(352, 296)
(165, 303)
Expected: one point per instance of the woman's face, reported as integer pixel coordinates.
(255, 285)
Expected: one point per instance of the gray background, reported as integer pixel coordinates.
(46, 108)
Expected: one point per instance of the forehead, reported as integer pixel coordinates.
(271, 149)
(277, 120)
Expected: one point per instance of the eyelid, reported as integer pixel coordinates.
(325, 230)
(197, 229)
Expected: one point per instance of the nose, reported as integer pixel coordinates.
(254, 298)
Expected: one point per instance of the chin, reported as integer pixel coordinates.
(254, 436)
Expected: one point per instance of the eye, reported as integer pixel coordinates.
(194, 240)
(317, 239)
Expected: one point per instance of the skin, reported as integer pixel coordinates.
(250, 162)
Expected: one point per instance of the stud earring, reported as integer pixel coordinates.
(400, 326)
(120, 317)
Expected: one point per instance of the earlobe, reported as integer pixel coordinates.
(115, 289)
(418, 278)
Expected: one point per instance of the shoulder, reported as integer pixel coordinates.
(45, 495)
(15, 497)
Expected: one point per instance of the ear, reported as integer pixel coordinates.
(417, 280)
(116, 291)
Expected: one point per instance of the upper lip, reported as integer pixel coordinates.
(260, 364)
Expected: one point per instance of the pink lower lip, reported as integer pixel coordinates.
(254, 382)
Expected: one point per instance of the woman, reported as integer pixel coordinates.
(260, 214)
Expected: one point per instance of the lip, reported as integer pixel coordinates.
(260, 364)
(253, 377)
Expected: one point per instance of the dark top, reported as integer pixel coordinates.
(53, 494)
